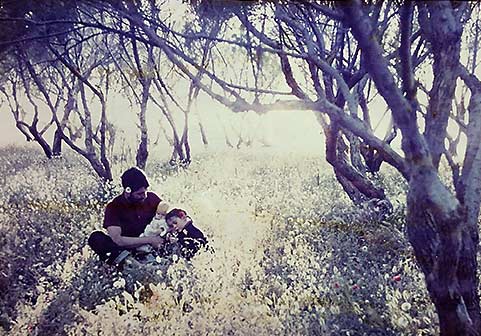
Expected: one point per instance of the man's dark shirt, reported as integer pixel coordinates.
(131, 217)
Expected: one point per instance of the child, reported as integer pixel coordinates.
(189, 238)
(157, 226)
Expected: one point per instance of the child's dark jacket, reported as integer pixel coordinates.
(191, 240)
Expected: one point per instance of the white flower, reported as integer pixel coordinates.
(119, 283)
(403, 322)
(334, 309)
(406, 306)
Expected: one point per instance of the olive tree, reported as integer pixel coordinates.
(334, 59)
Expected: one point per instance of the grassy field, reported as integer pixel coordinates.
(292, 255)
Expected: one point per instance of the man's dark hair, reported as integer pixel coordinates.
(176, 213)
(134, 178)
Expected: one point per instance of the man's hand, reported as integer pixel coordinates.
(156, 242)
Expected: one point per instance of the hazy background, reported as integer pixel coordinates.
(287, 131)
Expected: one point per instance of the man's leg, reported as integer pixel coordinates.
(106, 249)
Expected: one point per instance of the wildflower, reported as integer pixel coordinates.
(402, 322)
(119, 283)
(396, 278)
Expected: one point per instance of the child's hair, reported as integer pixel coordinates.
(162, 208)
(175, 213)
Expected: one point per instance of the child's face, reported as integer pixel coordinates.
(162, 210)
(176, 223)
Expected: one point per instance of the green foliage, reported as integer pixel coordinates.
(292, 255)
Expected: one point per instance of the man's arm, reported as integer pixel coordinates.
(115, 232)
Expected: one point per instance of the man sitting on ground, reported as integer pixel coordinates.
(126, 218)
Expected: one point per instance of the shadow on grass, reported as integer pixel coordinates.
(93, 285)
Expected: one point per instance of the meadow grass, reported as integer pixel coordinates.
(292, 255)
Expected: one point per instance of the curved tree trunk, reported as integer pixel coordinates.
(357, 186)
(443, 243)
(99, 163)
(443, 238)
(41, 141)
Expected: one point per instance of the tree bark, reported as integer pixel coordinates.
(145, 79)
(41, 141)
(185, 139)
(437, 224)
(444, 35)
(444, 248)
(100, 165)
(57, 143)
(142, 150)
(203, 133)
(469, 193)
(357, 186)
